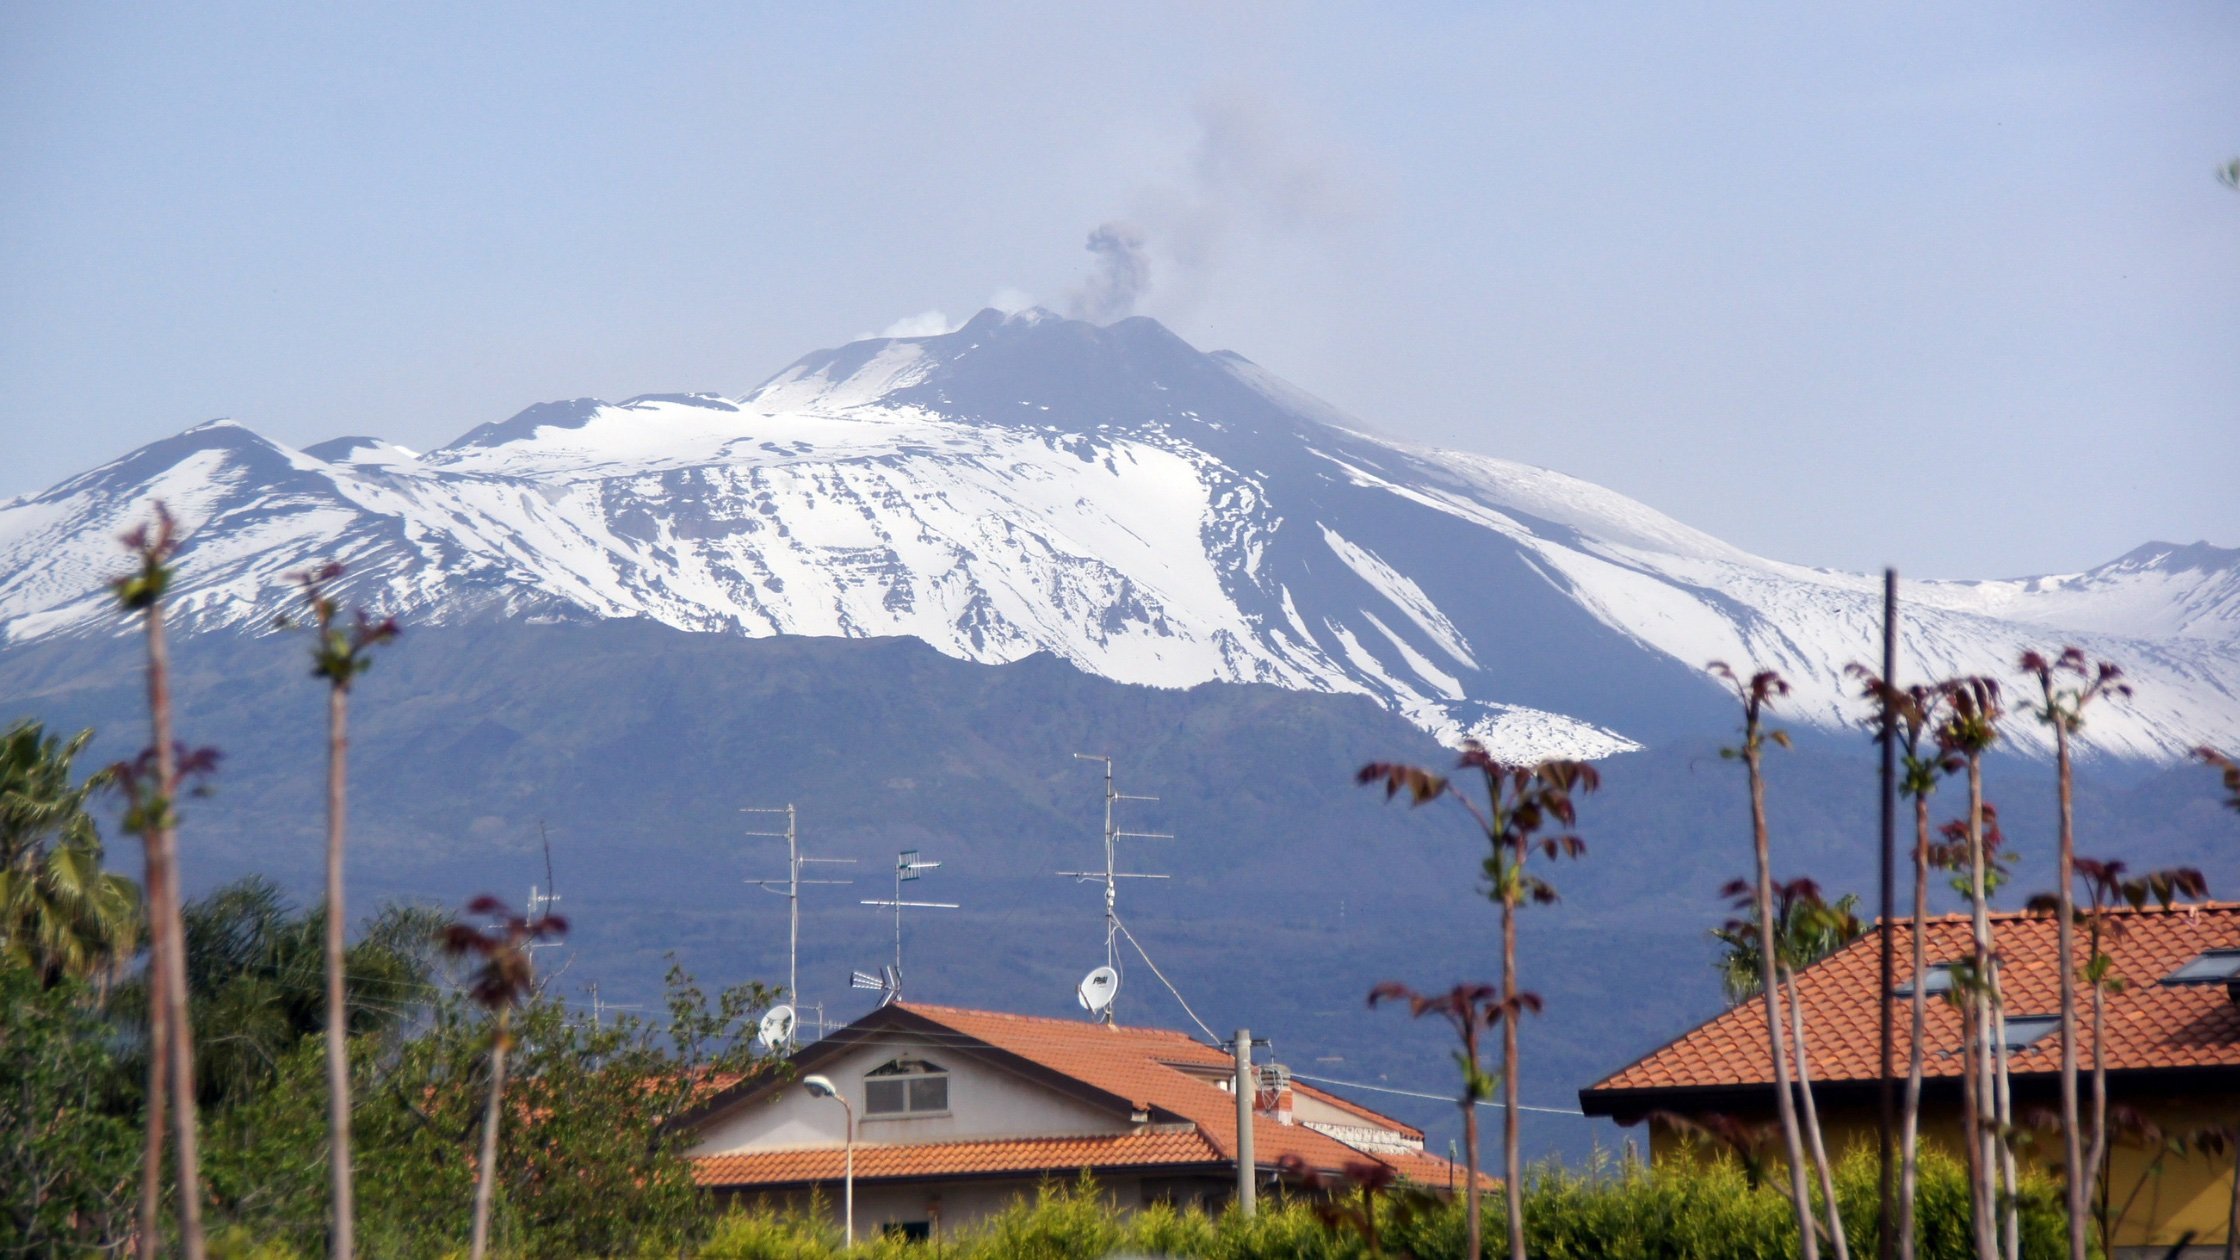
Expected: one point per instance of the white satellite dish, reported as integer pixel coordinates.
(777, 1028)
(1097, 990)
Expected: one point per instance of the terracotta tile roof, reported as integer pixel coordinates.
(2150, 1025)
(1167, 1075)
(1146, 1066)
(1057, 1155)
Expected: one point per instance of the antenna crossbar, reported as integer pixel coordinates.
(908, 866)
(1111, 875)
(790, 889)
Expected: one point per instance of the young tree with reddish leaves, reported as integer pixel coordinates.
(339, 654)
(1756, 693)
(1913, 713)
(1523, 809)
(2066, 686)
(1968, 730)
(2108, 886)
(2218, 761)
(152, 788)
(505, 979)
(1470, 1009)
(1808, 927)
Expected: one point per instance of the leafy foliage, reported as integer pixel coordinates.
(256, 987)
(1807, 928)
(69, 1148)
(61, 914)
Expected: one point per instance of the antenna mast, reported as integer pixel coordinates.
(1111, 875)
(907, 866)
(790, 889)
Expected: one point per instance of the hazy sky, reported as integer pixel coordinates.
(1875, 284)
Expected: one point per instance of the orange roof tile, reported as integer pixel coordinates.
(1167, 1075)
(951, 1159)
(1144, 1065)
(2150, 1025)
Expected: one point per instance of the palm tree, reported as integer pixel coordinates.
(1807, 928)
(256, 986)
(61, 914)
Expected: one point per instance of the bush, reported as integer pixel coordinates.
(1680, 1210)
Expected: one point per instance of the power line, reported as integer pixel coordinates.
(1163, 979)
(1411, 1093)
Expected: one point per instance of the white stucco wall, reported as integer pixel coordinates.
(984, 1103)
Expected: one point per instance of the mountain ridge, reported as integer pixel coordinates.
(1144, 511)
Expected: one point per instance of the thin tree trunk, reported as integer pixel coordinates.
(2010, 1183)
(2096, 1156)
(150, 1242)
(1971, 1089)
(2232, 1210)
(1987, 1135)
(2072, 1132)
(1808, 1244)
(1511, 1161)
(486, 1178)
(1471, 1224)
(171, 943)
(1836, 1237)
(1910, 1167)
(339, 1244)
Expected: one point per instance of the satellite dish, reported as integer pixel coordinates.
(1097, 990)
(777, 1028)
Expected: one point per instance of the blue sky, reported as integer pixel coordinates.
(1845, 285)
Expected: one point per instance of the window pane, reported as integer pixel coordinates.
(2214, 967)
(2024, 1029)
(929, 1093)
(1937, 978)
(882, 1097)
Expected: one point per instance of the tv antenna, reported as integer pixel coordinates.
(790, 889)
(907, 866)
(1110, 877)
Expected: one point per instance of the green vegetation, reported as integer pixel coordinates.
(1614, 1210)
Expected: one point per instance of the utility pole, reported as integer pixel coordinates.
(907, 866)
(1887, 1086)
(1111, 875)
(539, 902)
(1246, 1088)
(790, 889)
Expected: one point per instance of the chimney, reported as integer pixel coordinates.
(1272, 1097)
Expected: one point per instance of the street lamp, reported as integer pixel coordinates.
(822, 1087)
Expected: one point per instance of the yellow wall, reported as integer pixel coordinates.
(2168, 1194)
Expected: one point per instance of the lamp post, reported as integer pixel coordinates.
(822, 1087)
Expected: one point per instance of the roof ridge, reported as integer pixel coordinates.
(934, 1010)
(2174, 908)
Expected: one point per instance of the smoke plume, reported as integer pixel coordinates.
(1245, 179)
(1123, 274)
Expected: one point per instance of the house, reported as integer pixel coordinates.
(958, 1111)
(2172, 1054)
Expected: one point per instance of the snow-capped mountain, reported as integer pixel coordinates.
(1112, 496)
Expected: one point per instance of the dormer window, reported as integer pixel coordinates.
(2218, 966)
(906, 1087)
(1935, 978)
